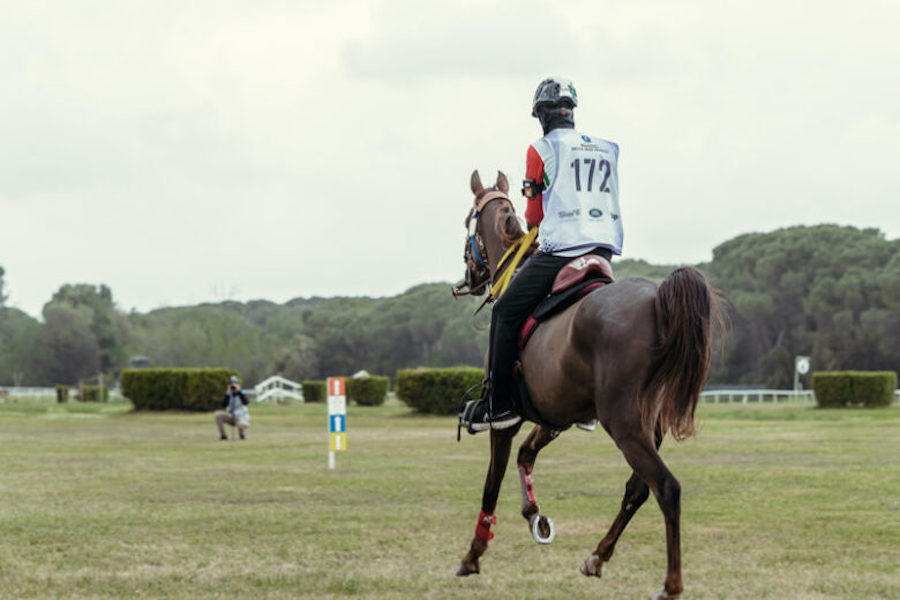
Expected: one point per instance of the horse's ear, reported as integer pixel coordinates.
(502, 182)
(475, 183)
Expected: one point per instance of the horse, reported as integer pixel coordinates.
(630, 355)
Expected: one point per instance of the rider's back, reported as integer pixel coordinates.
(581, 199)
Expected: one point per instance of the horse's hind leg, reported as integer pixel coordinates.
(541, 527)
(501, 444)
(636, 493)
(644, 459)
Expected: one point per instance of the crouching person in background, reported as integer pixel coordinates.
(235, 413)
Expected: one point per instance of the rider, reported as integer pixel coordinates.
(572, 187)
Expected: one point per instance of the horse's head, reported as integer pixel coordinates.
(491, 227)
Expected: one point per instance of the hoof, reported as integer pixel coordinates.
(542, 529)
(465, 570)
(663, 595)
(592, 567)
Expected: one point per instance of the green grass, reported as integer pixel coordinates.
(779, 501)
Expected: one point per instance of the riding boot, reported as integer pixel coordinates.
(504, 351)
(494, 410)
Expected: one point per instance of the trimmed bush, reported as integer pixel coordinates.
(368, 391)
(436, 391)
(175, 388)
(854, 388)
(62, 394)
(313, 390)
(875, 388)
(93, 393)
(832, 389)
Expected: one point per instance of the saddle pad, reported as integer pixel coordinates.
(555, 304)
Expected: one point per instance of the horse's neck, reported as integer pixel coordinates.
(494, 245)
(495, 250)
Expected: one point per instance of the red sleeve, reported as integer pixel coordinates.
(534, 169)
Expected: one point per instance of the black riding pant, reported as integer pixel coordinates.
(530, 285)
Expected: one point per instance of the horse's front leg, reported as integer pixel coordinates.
(541, 527)
(501, 443)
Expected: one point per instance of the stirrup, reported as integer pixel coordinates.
(468, 418)
(464, 419)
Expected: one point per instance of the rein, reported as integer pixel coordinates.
(457, 291)
(521, 248)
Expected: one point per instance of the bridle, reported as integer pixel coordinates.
(475, 254)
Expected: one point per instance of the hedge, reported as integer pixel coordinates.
(368, 391)
(436, 391)
(175, 388)
(62, 394)
(91, 393)
(313, 390)
(852, 388)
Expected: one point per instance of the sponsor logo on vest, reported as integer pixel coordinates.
(595, 213)
(615, 217)
(569, 214)
(586, 138)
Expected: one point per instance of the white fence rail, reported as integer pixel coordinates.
(756, 395)
(761, 395)
(42, 392)
(27, 392)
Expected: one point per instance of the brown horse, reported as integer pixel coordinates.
(630, 355)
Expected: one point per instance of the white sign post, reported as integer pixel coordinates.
(337, 418)
(801, 367)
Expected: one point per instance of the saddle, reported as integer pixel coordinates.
(574, 281)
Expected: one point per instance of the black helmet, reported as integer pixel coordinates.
(552, 91)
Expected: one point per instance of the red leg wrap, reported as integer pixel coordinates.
(483, 528)
(529, 484)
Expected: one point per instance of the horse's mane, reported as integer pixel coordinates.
(508, 227)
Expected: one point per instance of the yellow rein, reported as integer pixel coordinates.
(519, 248)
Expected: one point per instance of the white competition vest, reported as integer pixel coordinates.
(581, 194)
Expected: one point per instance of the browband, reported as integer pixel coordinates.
(494, 195)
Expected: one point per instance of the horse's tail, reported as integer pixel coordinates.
(685, 310)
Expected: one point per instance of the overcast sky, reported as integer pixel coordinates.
(182, 152)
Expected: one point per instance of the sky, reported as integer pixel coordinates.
(186, 152)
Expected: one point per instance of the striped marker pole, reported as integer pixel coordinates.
(337, 418)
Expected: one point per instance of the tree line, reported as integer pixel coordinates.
(827, 291)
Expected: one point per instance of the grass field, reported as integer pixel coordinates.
(779, 501)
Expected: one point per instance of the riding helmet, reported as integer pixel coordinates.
(554, 90)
